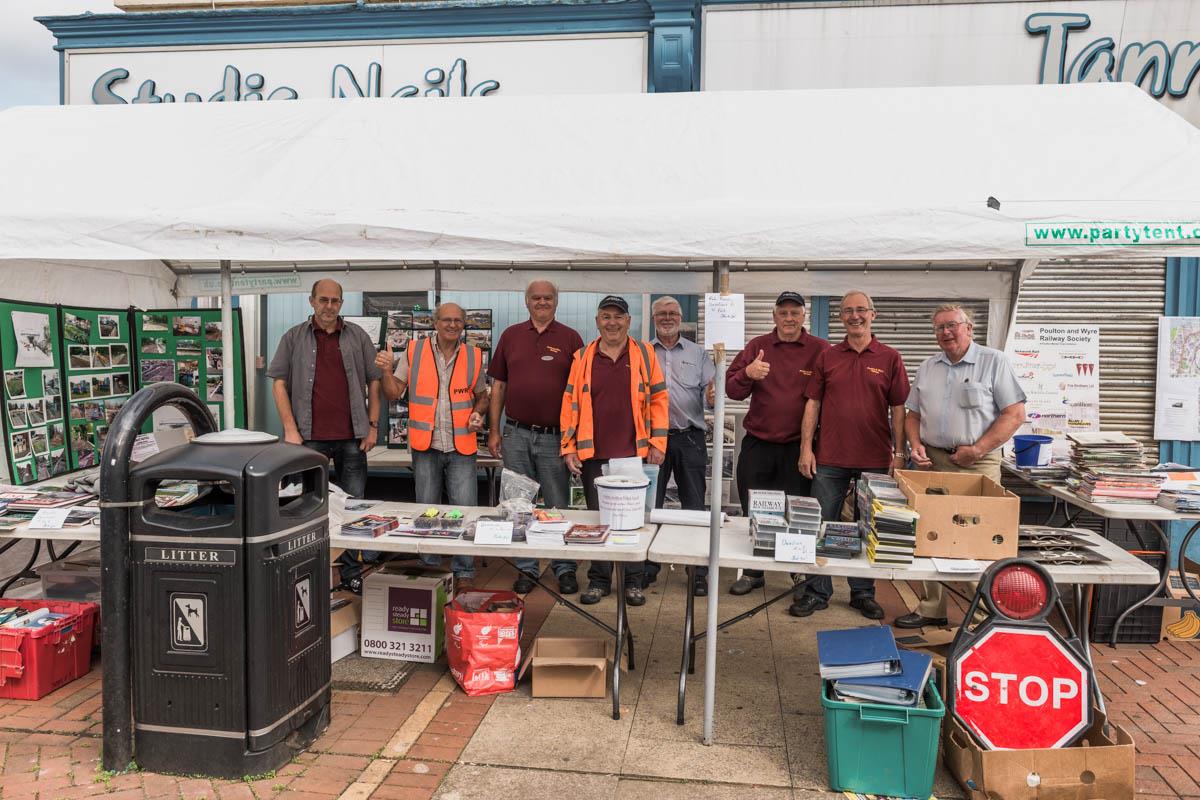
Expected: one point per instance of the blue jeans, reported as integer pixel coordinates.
(456, 475)
(535, 455)
(350, 473)
(829, 488)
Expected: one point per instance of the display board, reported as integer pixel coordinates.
(184, 345)
(1177, 396)
(1058, 367)
(98, 354)
(405, 325)
(372, 325)
(35, 435)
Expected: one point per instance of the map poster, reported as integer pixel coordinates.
(1177, 393)
(1058, 366)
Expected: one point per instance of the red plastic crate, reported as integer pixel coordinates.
(33, 663)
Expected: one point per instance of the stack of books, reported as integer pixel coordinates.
(547, 532)
(839, 540)
(768, 517)
(865, 666)
(1109, 467)
(370, 526)
(1182, 501)
(885, 520)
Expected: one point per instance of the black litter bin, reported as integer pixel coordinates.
(229, 606)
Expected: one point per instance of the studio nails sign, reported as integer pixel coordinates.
(437, 82)
(1157, 67)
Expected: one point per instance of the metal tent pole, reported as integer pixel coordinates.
(716, 481)
(229, 416)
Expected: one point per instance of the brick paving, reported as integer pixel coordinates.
(50, 749)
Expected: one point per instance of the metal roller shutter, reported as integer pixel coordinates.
(1125, 298)
(905, 323)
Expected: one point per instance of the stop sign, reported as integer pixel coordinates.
(1018, 688)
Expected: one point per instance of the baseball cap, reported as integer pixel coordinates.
(612, 301)
(790, 297)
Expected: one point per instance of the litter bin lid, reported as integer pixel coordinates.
(236, 436)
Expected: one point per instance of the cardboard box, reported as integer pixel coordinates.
(402, 614)
(975, 517)
(1172, 628)
(344, 625)
(568, 667)
(1098, 767)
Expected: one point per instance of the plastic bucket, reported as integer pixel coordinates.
(622, 501)
(1032, 450)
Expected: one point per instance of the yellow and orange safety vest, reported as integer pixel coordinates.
(423, 388)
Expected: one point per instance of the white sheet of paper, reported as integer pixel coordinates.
(953, 565)
(493, 531)
(796, 548)
(49, 518)
(144, 446)
(631, 466)
(725, 320)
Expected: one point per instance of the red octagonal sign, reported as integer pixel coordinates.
(1021, 688)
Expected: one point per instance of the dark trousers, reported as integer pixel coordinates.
(600, 572)
(768, 465)
(350, 473)
(829, 487)
(687, 460)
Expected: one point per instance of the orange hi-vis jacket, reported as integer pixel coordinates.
(423, 394)
(648, 402)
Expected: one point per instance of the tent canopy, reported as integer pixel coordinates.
(901, 176)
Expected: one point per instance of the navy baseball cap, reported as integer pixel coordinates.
(790, 297)
(612, 301)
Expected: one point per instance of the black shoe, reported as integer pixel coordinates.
(649, 578)
(806, 605)
(567, 583)
(915, 620)
(867, 607)
(700, 587)
(593, 594)
(634, 596)
(746, 584)
(523, 584)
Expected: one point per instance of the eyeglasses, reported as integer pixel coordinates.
(948, 326)
(668, 314)
(860, 310)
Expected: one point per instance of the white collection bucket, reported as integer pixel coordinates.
(622, 500)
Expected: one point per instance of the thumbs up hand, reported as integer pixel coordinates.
(758, 369)
(383, 359)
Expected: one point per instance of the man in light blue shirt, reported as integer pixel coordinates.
(964, 404)
(689, 373)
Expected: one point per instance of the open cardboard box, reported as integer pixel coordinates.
(568, 667)
(343, 625)
(972, 516)
(1097, 767)
(1171, 629)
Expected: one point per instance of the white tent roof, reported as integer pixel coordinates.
(826, 176)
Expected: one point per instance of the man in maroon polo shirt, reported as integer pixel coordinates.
(773, 371)
(529, 371)
(856, 401)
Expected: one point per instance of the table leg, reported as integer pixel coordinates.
(1162, 582)
(1183, 547)
(25, 571)
(686, 662)
(619, 582)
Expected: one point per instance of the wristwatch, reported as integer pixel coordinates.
(373, 423)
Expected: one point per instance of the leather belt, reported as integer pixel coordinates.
(535, 428)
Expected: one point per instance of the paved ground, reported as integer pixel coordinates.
(430, 740)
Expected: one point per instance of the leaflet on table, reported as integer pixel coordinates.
(959, 565)
(796, 548)
(493, 531)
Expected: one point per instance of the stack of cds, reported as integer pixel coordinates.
(767, 518)
(803, 515)
(885, 520)
(839, 540)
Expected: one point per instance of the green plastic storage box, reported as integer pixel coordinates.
(882, 749)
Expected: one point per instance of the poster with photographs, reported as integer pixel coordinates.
(31, 354)
(99, 381)
(372, 325)
(184, 345)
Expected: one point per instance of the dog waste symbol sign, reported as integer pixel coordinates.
(303, 602)
(189, 621)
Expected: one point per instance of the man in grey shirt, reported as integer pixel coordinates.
(689, 373)
(964, 404)
(326, 387)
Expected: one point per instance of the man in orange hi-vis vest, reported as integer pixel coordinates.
(614, 406)
(447, 397)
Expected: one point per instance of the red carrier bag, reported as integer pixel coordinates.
(483, 640)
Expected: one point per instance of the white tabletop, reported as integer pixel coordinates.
(680, 544)
(396, 457)
(422, 546)
(1132, 511)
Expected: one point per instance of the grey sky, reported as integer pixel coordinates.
(28, 62)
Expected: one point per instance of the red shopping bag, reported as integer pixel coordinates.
(483, 640)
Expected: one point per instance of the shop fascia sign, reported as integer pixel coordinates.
(1171, 70)
(438, 82)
